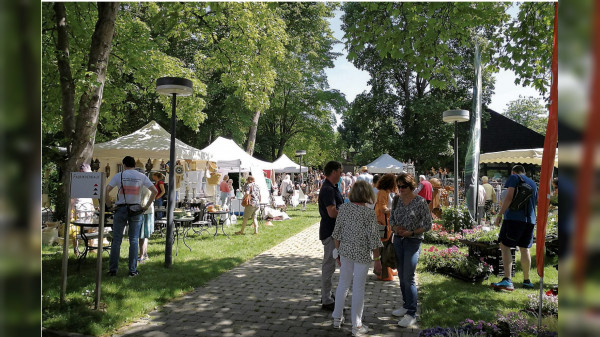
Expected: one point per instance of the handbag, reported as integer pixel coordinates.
(247, 198)
(132, 209)
(388, 255)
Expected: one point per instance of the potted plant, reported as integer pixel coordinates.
(456, 219)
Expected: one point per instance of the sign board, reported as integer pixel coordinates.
(86, 185)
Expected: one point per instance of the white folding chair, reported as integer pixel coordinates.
(302, 199)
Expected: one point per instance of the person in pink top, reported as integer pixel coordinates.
(425, 189)
(225, 189)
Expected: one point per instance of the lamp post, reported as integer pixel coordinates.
(456, 116)
(300, 153)
(172, 86)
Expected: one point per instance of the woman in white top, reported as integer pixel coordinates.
(356, 239)
(287, 190)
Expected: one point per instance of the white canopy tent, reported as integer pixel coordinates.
(524, 156)
(285, 164)
(232, 158)
(385, 164)
(153, 142)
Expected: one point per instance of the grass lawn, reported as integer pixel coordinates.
(125, 299)
(447, 302)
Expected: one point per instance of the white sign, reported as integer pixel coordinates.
(86, 185)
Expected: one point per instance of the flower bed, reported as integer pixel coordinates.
(455, 263)
(549, 304)
(512, 324)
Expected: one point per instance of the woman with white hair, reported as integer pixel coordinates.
(287, 190)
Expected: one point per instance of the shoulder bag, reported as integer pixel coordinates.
(247, 197)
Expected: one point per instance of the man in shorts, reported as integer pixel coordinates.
(517, 230)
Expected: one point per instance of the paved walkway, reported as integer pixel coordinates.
(275, 294)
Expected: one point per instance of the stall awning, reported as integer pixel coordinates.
(526, 156)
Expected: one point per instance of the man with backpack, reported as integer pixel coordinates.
(518, 208)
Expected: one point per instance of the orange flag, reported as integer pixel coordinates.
(548, 157)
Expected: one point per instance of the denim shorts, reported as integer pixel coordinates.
(516, 233)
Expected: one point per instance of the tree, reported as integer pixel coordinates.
(421, 64)
(529, 112)
(528, 45)
(79, 129)
(302, 103)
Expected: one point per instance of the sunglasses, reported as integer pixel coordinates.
(402, 186)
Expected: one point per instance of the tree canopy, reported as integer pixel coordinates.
(420, 58)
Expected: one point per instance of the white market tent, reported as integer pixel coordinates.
(385, 164)
(230, 157)
(151, 141)
(285, 164)
(524, 156)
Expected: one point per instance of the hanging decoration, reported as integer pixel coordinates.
(149, 166)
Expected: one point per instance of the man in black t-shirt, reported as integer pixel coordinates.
(330, 199)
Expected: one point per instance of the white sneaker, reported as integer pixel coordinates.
(337, 322)
(399, 312)
(407, 321)
(360, 331)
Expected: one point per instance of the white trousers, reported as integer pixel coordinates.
(351, 272)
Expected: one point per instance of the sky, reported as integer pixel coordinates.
(352, 81)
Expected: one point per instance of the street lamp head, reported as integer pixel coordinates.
(174, 86)
(300, 153)
(451, 116)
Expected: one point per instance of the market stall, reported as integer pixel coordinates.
(385, 164)
(150, 146)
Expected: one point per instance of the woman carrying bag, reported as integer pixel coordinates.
(251, 208)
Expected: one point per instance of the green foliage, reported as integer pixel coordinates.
(456, 219)
(528, 45)
(421, 64)
(529, 112)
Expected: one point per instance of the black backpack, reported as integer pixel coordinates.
(523, 191)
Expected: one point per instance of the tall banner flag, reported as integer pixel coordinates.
(550, 144)
(587, 172)
(472, 156)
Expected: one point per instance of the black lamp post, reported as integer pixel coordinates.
(172, 86)
(456, 116)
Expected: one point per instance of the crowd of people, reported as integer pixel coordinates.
(366, 220)
(360, 218)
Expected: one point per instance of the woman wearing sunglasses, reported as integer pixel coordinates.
(410, 218)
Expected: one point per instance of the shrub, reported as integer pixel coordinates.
(456, 219)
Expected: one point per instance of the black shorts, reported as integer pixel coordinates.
(516, 233)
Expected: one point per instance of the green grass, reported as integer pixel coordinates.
(126, 299)
(447, 302)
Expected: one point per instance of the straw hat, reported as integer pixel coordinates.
(364, 169)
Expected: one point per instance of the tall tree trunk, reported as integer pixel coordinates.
(80, 130)
(252, 133)
(67, 85)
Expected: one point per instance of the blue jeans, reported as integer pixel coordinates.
(158, 203)
(120, 220)
(407, 256)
